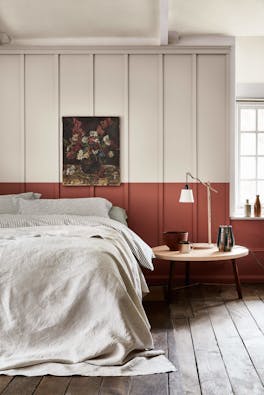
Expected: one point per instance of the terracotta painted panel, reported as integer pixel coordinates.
(114, 194)
(70, 192)
(143, 212)
(249, 233)
(7, 188)
(49, 190)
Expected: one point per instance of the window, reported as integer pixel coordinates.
(250, 154)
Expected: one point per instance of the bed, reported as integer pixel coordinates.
(71, 290)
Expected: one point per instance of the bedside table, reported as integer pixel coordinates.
(200, 255)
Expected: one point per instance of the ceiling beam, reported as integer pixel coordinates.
(164, 15)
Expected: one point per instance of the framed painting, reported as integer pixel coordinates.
(91, 151)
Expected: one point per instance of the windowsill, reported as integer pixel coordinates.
(240, 218)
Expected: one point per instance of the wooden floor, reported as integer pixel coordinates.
(215, 340)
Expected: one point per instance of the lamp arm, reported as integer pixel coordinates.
(206, 184)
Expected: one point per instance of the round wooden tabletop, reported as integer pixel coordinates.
(203, 254)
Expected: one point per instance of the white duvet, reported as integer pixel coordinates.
(70, 302)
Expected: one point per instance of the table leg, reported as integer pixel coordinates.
(187, 273)
(170, 282)
(238, 286)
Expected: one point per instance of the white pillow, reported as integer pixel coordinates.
(8, 203)
(81, 206)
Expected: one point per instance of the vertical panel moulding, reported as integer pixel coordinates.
(22, 121)
(57, 111)
(60, 144)
(194, 145)
(92, 106)
(230, 131)
(228, 137)
(126, 133)
(160, 153)
(233, 140)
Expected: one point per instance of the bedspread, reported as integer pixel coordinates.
(70, 303)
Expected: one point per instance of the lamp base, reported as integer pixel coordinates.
(204, 246)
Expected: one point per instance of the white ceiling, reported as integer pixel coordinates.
(41, 20)
(44, 22)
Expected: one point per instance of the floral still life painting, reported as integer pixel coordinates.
(91, 151)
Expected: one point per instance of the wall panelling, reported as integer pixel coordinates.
(172, 103)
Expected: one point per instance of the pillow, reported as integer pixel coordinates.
(98, 207)
(118, 214)
(8, 203)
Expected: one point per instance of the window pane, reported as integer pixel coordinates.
(261, 168)
(260, 191)
(247, 120)
(248, 144)
(260, 143)
(247, 191)
(261, 119)
(247, 167)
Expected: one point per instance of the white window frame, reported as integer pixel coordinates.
(238, 209)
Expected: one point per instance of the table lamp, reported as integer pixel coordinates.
(187, 197)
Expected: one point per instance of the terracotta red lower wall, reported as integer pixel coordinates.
(154, 208)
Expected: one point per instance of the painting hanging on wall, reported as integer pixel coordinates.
(91, 151)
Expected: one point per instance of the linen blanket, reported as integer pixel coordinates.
(70, 302)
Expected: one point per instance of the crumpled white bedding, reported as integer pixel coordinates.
(70, 303)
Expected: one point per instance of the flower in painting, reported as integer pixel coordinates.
(76, 147)
(100, 131)
(85, 139)
(105, 123)
(70, 170)
(75, 137)
(86, 155)
(107, 140)
(93, 133)
(70, 155)
(80, 155)
(94, 144)
(111, 154)
(95, 152)
(77, 127)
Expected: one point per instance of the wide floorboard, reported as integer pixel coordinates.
(215, 340)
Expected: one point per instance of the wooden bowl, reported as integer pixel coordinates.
(172, 238)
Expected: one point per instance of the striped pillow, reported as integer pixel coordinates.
(79, 206)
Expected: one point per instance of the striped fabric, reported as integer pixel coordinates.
(140, 249)
(95, 206)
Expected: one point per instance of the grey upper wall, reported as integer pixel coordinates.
(249, 67)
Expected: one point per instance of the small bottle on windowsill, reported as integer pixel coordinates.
(247, 209)
(257, 207)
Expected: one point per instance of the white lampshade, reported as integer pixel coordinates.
(186, 196)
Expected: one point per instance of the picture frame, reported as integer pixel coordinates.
(91, 150)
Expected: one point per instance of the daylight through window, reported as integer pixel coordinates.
(250, 155)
